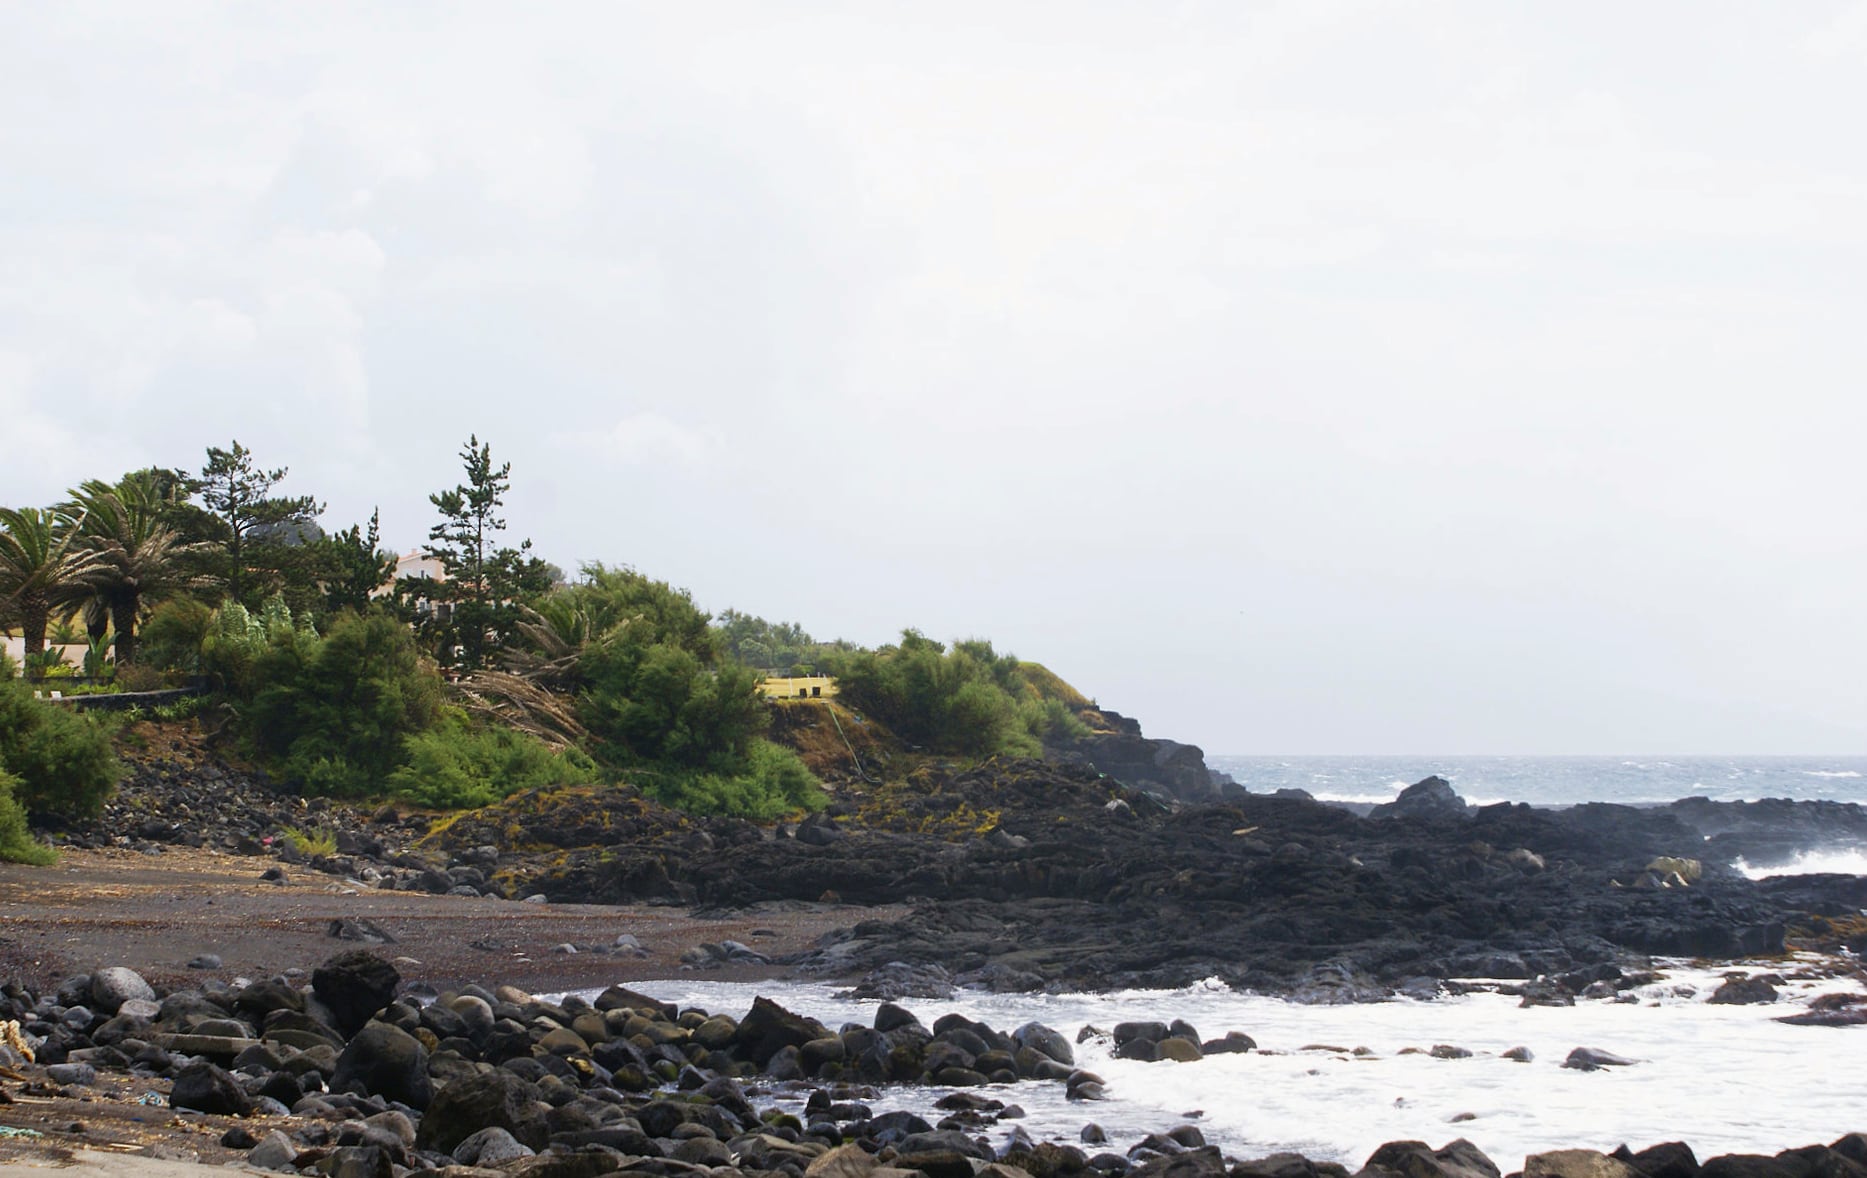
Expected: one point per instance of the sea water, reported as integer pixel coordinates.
(1569, 781)
(1725, 1079)
(1559, 781)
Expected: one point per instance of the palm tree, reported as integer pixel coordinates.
(140, 556)
(41, 569)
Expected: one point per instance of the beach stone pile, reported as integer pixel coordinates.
(483, 1082)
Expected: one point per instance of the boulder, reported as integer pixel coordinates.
(1415, 1159)
(496, 1099)
(275, 1151)
(489, 1147)
(205, 1088)
(1743, 992)
(845, 1161)
(1576, 1163)
(112, 987)
(353, 986)
(1430, 800)
(1045, 1042)
(388, 1062)
(768, 1028)
(1749, 1165)
(1669, 1159)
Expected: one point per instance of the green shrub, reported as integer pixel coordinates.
(172, 638)
(456, 766)
(319, 840)
(61, 759)
(16, 843)
(335, 712)
(969, 700)
(772, 783)
(185, 708)
(137, 676)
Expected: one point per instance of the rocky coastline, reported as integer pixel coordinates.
(344, 1070)
(1029, 875)
(1009, 875)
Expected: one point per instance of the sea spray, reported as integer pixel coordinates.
(1724, 1078)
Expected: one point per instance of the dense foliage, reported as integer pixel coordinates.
(334, 711)
(458, 689)
(969, 700)
(58, 761)
(16, 843)
(778, 648)
(458, 764)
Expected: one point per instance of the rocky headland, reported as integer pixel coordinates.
(1016, 875)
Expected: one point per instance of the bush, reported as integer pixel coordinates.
(137, 676)
(318, 841)
(772, 783)
(969, 700)
(16, 843)
(171, 639)
(664, 703)
(60, 759)
(335, 712)
(456, 766)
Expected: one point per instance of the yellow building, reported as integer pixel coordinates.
(800, 687)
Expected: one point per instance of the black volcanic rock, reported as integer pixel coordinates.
(1431, 800)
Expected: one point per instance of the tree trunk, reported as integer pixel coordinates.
(32, 622)
(123, 617)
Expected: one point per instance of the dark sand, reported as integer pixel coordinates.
(154, 913)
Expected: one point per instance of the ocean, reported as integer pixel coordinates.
(1568, 781)
(1725, 1079)
(1559, 781)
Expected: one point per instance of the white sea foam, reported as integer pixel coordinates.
(1724, 1078)
(1829, 773)
(1848, 861)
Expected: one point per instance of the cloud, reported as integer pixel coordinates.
(648, 438)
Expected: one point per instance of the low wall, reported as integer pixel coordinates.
(123, 701)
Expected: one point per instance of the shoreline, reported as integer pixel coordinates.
(158, 912)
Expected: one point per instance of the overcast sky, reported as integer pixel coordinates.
(1320, 376)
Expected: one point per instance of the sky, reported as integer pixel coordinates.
(1316, 377)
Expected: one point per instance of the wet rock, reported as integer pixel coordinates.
(898, 979)
(1577, 1163)
(768, 1028)
(1190, 1163)
(1743, 991)
(1588, 1059)
(1669, 1159)
(1287, 1165)
(1415, 1159)
(1750, 1165)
